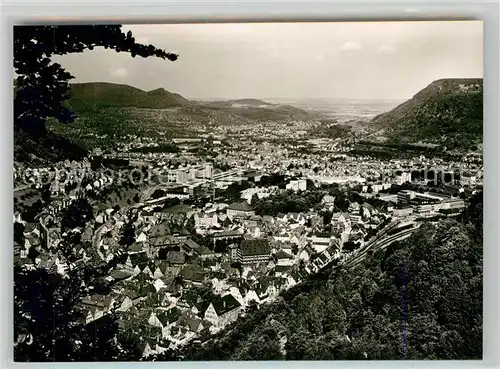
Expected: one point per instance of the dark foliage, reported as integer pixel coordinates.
(46, 312)
(171, 202)
(77, 214)
(288, 202)
(274, 179)
(158, 194)
(19, 233)
(128, 233)
(448, 112)
(30, 212)
(233, 191)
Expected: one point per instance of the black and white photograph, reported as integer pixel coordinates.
(248, 191)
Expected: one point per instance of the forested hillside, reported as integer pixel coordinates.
(359, 314)
(106, 95)
(448, 112)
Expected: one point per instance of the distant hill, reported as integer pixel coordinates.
(111, 95)
(86, 97)
(448, 112)
(254, 102)
(237, 103)
(255, 109)
(106, 112)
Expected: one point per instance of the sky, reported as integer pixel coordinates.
(359, 60)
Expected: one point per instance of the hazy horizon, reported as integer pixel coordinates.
(335, 60)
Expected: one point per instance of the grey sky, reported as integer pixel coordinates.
(351, 60)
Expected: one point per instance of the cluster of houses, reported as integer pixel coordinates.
(159, 288)
(191, 271)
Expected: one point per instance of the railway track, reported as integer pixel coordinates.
(343, 260)
(381, 241)
(380, 245)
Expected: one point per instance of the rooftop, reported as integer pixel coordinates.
(255, 247)
(240, 206)
(283, 255)
(225, 304)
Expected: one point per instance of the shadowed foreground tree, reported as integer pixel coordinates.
(77, 214)
(45, 304)
(46, 320)
(41, 86)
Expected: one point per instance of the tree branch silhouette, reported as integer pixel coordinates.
(41, 86)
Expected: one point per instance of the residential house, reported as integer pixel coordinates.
(281, 270)
(320, 242)
(51, 236)
(223, 310)
(139, 260)
(304, 255)
(128, 300)
(316, 221)
(176, 257)
(98, 305)
(119, 275)
(293, 278)
(142, 237)
(154, 319)
(193, 324)
(87, 234)
(193, 274)
(31, 241)
(206, 221)
(158, 273)
(354, 207)
(204, 252)
(136, 247)
(268, 287)
(189, 246)
(365, 212)
(250, 296)
(297, 185)
(283, 258)
(237, 294)
(342, 218)
(252, 251)
(219, 285)
(281, 217)
(328, 201)
(167, 319)
(159, 230)
(268, 219)
(239, 210)
(227, 235)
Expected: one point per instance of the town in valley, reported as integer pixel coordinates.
(202, 212)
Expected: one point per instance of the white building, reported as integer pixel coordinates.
(297, 185)
(403, 178)
(223, 311)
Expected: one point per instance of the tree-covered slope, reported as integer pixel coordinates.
(46, 149)
(105, 95)
(107, 112)
(41, 87)
(448, 112)
(358, 314)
